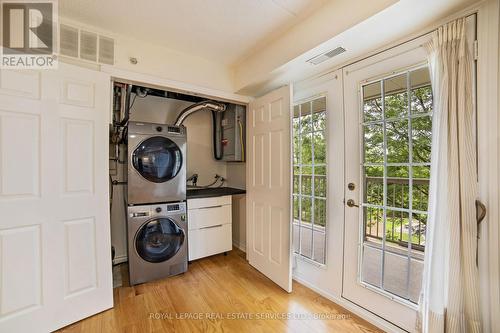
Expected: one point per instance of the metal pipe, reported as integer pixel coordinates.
(125, 119)
(213, 106)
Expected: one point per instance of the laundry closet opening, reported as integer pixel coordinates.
(171, 153)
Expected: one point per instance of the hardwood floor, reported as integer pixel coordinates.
(219, 294)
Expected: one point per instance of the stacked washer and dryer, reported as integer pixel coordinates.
(156, 210)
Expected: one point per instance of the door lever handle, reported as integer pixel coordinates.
(351, 203)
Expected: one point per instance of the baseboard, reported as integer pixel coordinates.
(242, 247)
(354, 308)
(120, 259)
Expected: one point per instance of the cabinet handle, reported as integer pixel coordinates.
(212, 226)
(218, 206)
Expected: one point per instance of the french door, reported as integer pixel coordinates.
(388, 108)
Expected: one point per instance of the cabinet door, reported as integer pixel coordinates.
(209, 240)
(54, 232)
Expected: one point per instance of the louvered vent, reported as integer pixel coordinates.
(325, 56)
(69, 41)
(106, 50)
(88, 45)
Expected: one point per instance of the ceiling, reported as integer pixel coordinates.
(223, 31)
(393, 24)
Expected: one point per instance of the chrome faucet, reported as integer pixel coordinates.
(193, 179)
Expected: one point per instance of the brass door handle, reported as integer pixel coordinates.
(351, 203)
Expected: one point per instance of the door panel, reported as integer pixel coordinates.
(268, 193)
(54, 231)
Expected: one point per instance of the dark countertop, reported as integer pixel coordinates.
(193, 193)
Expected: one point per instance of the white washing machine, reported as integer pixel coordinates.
(157, 241)
(157, 163)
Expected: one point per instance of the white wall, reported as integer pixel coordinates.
(165, 63)
(239, 221)
(236, 175)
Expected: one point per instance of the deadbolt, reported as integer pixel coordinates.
(351, 186)
(351, 203)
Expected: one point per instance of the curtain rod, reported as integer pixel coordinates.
(385, 49)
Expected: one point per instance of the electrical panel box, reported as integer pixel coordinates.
(234, 133)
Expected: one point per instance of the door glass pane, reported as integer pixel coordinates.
(421, 91)
(319, 148)
(374, 143)
(398, 187)
(372, 102)
(397, 137)
(374, 220)
(422, 138)
(319, 185)
(306, 118)
(374, 185)
(319, 114)
(371, 270)
(397, 141)
(395, 97)
(296, 179)
(306, 148)
(319, 248)
(306, 242)
(310, 179)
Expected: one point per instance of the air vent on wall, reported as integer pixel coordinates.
(106, 50)
(325, 56)
(69, 41)
(88, 46)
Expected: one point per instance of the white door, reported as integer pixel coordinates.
(387, 167)
(54, 227)
(268, 186)
(388, 121)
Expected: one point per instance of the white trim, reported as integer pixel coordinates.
(120, 259)
(240, 246)
(352, 307)
(184, 87)
(488, 151)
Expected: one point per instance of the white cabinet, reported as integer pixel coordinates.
(210, 230)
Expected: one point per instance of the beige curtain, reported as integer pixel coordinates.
(450, 297)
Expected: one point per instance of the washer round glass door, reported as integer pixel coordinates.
(159, 239)
(157, 159)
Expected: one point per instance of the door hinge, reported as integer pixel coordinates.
(476, 50)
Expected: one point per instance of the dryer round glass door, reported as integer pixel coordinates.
(157, 159)
(158, 240)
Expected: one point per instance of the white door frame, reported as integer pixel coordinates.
(488, 103)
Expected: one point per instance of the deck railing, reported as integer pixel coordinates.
(397, 226)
